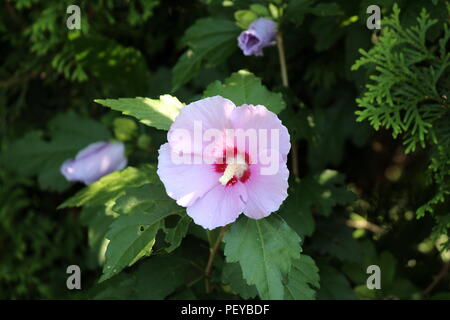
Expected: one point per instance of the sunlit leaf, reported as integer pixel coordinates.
(158, 113)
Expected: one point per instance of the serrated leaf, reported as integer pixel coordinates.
(209, 39)
(265, 249)
(244, 87)
(303, 279)
(132, 235)
(232, 275)
(158, 113)
(155, 278)
(110, 187)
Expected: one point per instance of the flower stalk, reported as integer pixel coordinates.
(212, 254)
(285, 82)
(281, 55)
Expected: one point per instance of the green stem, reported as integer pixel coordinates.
(284, 75)
(285, 82)
(212, 254)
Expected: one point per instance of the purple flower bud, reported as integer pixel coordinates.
(95, 161)
(260, 34)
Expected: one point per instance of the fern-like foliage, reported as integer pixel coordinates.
(407, 94)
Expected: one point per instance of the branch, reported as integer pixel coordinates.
(285, 81)
(212, 254)
(364, 224)
(280, 45)
(440, 276)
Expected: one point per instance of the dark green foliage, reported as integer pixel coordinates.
(367, 112)
(407, 93)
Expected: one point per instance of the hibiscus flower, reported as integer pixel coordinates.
(221, 160)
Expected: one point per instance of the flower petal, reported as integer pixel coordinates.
(262, 120)
(266, 192)
(95, 161)
(210, 114)
(219, 207)
(91, 149)
(260, 34)
(184, 182)
(266, 30)
(250, 43)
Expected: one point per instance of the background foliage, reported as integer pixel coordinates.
(368, 113)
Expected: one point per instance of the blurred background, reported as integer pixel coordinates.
(50, 76)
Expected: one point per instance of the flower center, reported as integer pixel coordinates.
(234, 167)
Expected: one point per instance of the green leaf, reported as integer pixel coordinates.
(140, 11)
(209, 39)
(159, 276)
(297, 9)
(155, 278)
(232, 275)
(97, 222)
(186, 294)
(334, 285)
(297, 209)
(303, 279)
(364, 293)
(244, 18)
(356, 271)
(326, 10)
(260, 9)
(335, 239)
(332, 192)
(388, 265)
(110, 187)
(318, 193)
(244, 87)
(326, 33)
(175, 235)
(89, 56)
(158, 113)
(265, 249)
(187, 67)
(132, 235)
(34, 155)
(125, 129)
(327, 140)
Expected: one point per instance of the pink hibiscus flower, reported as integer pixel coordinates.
(221, 160)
